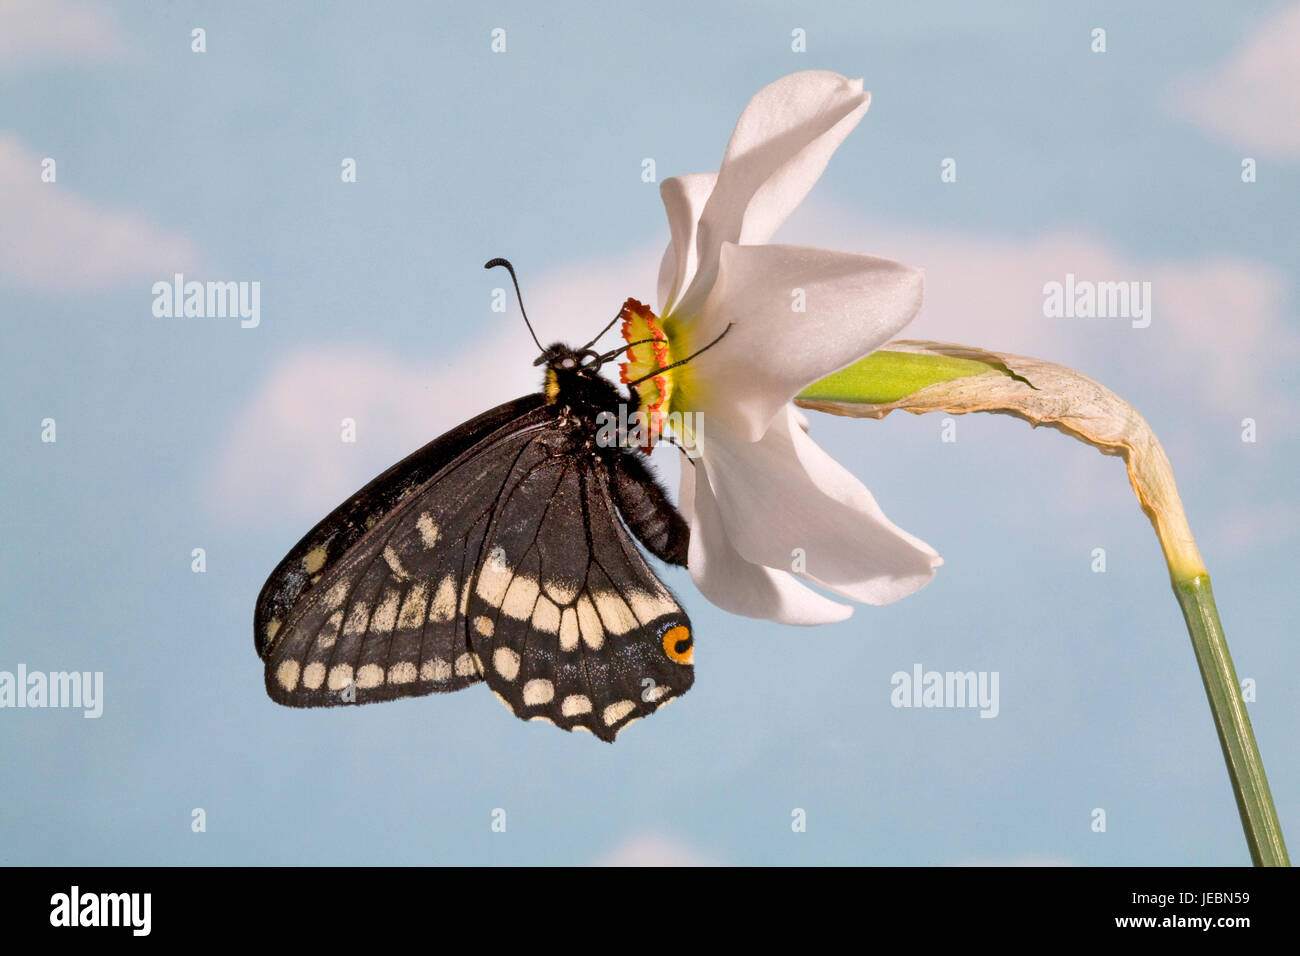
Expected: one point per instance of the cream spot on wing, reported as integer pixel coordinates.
(647, 607)
(402, 672)
(561, 592)
(358, 619)
(546, 616)
(340, 676)
(287, 674)
(273, 629)
(444, 602)
(428, 530)
(589, 623)
(314, 560)
(569, 630)
(369, 675)
(464, 597)
(484, 625)
(385, 616)
(543, 718)
(520, 598)
(435, 670)
(655, 692)
(538, 691)
(617, 711)
(478, 664)
(313, 675)
(504, 703)
(584, 729)
(575, 705)
(465, 666)
(335, 596)
(614, 612)
(395, 564)
(506, 662)
(493, 580)
(412, 613)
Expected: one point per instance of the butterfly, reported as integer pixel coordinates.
(502, 552)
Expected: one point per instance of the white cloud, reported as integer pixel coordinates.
(1243, 526)
(1252, 98)
(655, 849)
(1219, 334)
(52, 239)
(34, 31)
(1217, 322)
(284, 454)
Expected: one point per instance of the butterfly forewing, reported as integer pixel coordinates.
(386, 619)
(326, 544)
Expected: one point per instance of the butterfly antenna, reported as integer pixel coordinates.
(602, 332)
(491, 263)
(660, 371)
(605, 357)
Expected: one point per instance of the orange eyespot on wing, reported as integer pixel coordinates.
(679, 644)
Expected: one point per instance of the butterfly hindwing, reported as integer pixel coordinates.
(495, 552)
(566, 615)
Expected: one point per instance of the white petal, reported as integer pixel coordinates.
(854, 304)
(799, 417)
(684, 198)
(785, 493)
(731, 582)
(781, 145)
(667, 276)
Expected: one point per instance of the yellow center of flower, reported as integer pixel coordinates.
(647, 352)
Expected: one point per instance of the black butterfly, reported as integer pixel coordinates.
(495, 553)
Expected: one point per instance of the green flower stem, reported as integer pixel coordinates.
(1240, 752)
(921, 377)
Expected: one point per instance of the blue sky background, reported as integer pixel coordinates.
(177, 433)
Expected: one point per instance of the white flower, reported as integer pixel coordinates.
(765, 504)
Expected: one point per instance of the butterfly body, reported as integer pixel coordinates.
(498, 553)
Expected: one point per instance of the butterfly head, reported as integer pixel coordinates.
(575, 373)
(560, 358)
